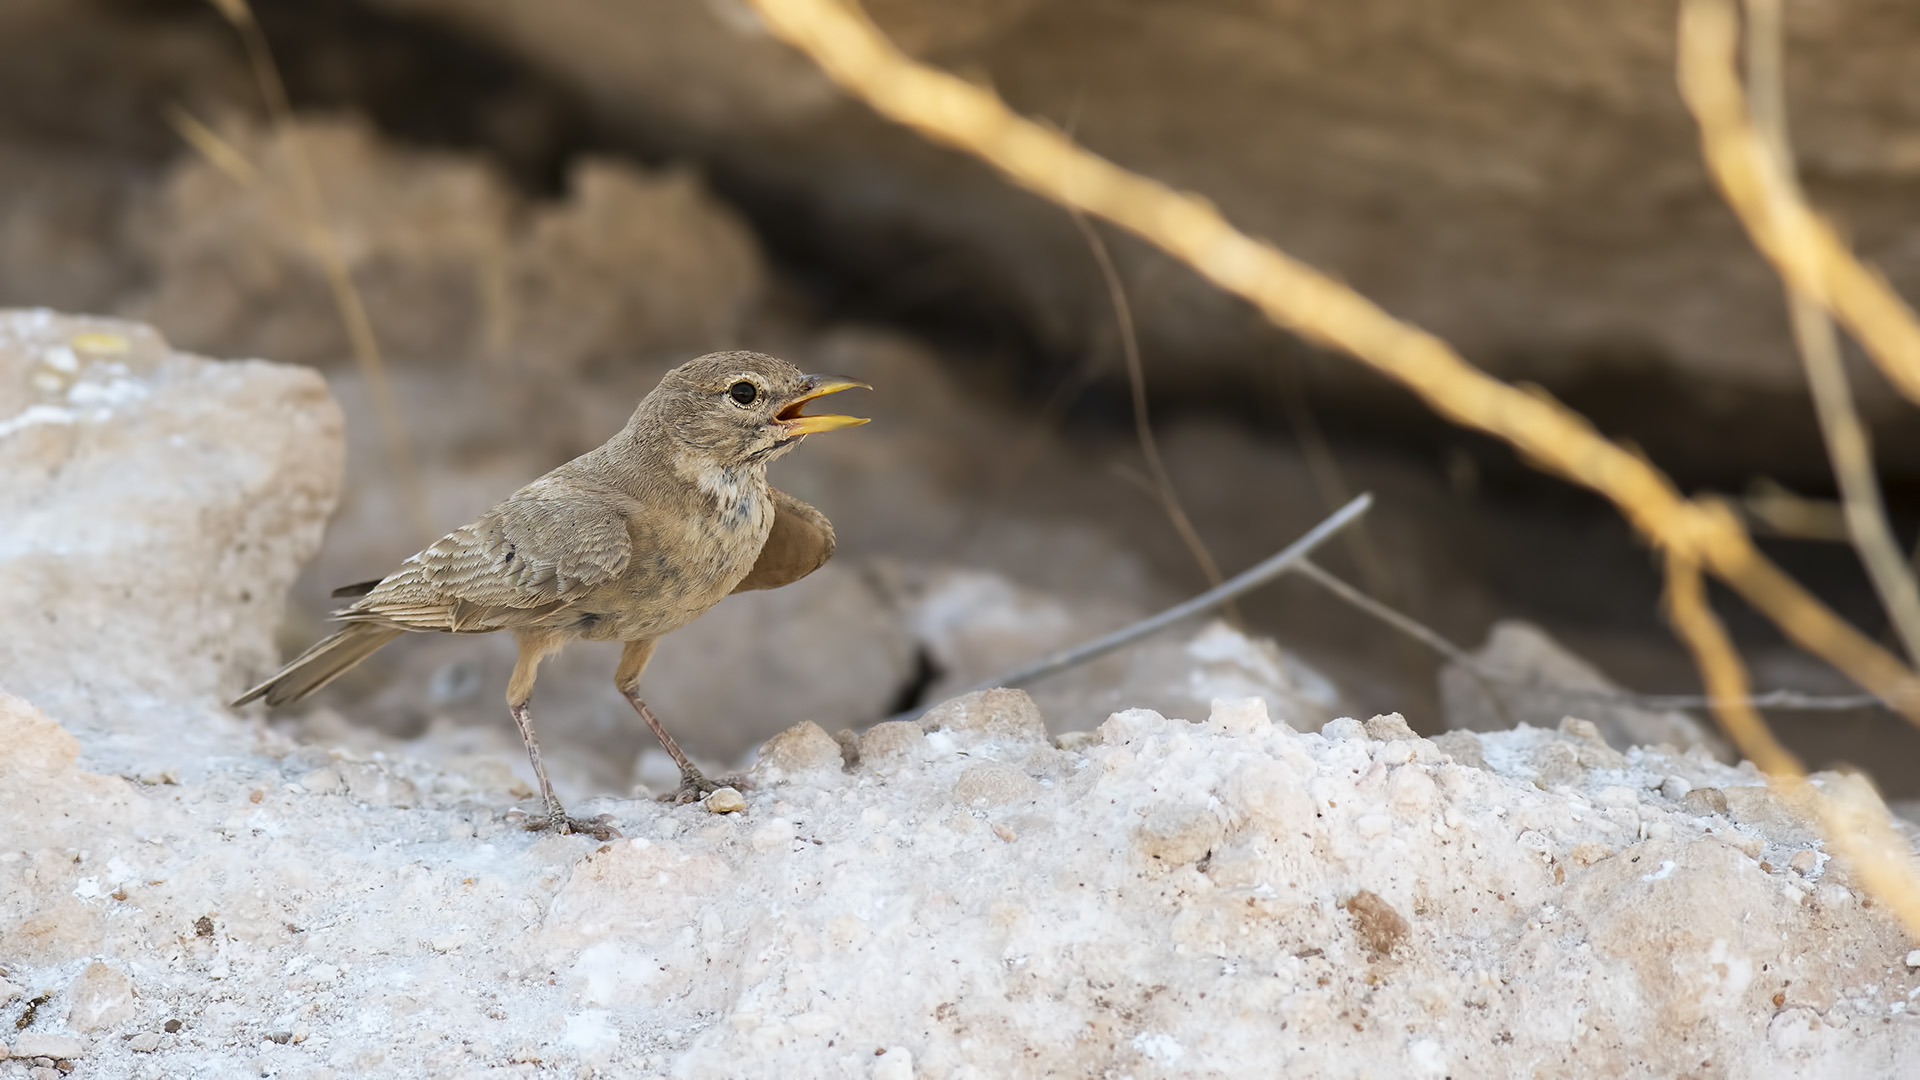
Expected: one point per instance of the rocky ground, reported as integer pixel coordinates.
(189, 893)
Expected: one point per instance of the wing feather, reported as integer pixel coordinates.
(533, 555)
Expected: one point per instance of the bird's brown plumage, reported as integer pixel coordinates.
(627, 542)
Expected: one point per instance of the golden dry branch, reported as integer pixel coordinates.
(1853, 819)
(1706, 59)
(1803, 248)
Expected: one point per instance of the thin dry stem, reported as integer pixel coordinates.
(1164, 490)
(1796, 516)
(1803, 247)
(854, 53)
(1492, 680)
(219, 153)
(1857, 827)
(1846, 436)
(346, 297)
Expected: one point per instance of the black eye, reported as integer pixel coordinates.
(743, 392)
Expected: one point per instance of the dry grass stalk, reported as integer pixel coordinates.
(1856, 824)
(1162, 483)
(219, 153)
(1846, 437)
(1695, 534)
(1804, 248)
(346, 297)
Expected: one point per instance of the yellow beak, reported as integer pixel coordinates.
(819, 386)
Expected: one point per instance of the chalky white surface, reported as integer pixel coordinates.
(1164, 901)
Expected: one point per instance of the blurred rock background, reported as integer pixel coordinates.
(545, 206)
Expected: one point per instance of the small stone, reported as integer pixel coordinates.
(35, 1044)
(1345, 727)
(1805, 861)
(1395, 752)
(1177, 833)
(1590, 852)
(805, 749)
(995, 782)
(997, 714)
(321, 781)
(99, 998)
(1704, 801)
(890, 743)
(1381, 927)
(724, 800)
(43, 1072)
(1913, 959)
(1411, 790)
(1675, 787)
(1556, 765)
(171, 1026)
(144, 1043)
(1389, 726)
(1463, 747)
(1576, 728)
(1076, 741)
(280, 1037)
(1239, 716)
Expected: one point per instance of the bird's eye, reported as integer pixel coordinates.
(743, 392)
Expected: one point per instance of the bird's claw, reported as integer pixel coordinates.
(600, 828)
(694, 786)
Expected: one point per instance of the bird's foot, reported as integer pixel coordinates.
(694, 786)
(600, 828)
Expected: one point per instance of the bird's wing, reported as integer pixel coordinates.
(800, 542)
(532, 555)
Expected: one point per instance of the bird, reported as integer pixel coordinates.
(628, 542)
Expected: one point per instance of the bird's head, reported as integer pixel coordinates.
(740, 408)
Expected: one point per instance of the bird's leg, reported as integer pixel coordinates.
(694, 784)
(519, 697)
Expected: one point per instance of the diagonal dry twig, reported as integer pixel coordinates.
(1846, 436)
(346, 297)
(1245, 581)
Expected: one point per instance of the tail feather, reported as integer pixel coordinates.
(326, 661)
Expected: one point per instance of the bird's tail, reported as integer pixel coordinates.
(326, 661)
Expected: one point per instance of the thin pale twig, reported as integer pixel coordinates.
(1846, 436)
(1168, 496)
(1773, 699)
(1245, 581)
(346, 297)
(219, 153)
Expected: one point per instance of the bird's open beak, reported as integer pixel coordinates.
(819, 386)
